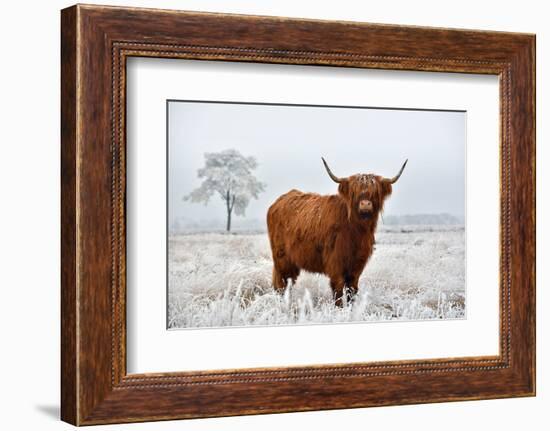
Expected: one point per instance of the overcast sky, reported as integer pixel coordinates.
(288, 142)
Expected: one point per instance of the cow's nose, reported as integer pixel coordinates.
(365, 205)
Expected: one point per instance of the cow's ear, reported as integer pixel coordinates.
(343, 188)
(385, 188)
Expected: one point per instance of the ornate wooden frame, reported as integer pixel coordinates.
(95, 43)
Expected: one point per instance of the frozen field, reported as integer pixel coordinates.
(217, 279)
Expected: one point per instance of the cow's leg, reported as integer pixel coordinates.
(337, 284)
(279, 282)
(293, 273)
(346, 285)
(352, 285)
(283, 270)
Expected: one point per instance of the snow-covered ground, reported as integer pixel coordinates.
(217, 279)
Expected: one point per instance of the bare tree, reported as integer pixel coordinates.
(229, 174)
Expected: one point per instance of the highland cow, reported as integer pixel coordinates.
(331, 234)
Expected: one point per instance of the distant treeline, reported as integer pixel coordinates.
(422, 219)
(183, 225)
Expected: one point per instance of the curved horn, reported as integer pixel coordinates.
(394, 179)
(330, 174)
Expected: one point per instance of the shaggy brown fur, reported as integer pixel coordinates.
(332, 235)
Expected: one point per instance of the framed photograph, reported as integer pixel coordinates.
(265, 214)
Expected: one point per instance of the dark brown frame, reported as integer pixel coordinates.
(95, 43)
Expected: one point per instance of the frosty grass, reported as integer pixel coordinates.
(218, 279)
